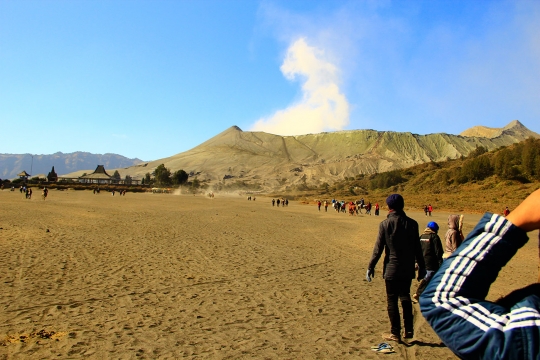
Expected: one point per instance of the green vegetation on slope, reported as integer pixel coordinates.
(482, 181)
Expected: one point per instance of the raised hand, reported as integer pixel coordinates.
(527, 214)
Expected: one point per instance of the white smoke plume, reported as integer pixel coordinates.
(322, 107)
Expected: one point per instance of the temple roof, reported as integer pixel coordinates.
(23, 173)
(99, 173)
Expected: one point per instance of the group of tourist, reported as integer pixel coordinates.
(454, 283)
(406, 253)
(27, 191)
(97, 190)
(432, 249)
(284, 202)
(353, 207)
(428, 209)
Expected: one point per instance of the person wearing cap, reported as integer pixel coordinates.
(433, 255)
(454, 303)
(399, 239)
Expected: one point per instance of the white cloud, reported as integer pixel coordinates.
(322, 107)
(402, 70)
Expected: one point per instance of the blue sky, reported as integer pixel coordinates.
(151, 79)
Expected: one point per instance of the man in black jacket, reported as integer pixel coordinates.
(399, 238)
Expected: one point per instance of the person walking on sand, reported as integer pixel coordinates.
(400, 240)
(273, 202)
(376, 209)
(433, 255)
(454, 235)
(429, 209)
(425, 210)
(454, 303)
(352, 208)
(319, 205)
(325, 205)
(506, 211)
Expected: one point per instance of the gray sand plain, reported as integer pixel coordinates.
(165, 276)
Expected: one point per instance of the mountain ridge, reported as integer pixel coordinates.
(12, 164)
(272, 162)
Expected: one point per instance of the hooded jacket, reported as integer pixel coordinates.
(398, 237)
(453, 237)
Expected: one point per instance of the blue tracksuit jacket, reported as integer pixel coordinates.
(454, 301)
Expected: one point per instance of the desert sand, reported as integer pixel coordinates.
(165, 276)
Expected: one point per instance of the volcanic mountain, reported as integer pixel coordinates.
(276, 162)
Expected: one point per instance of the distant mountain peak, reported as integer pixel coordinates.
(64, 163)
(513, 126)
(514, 123)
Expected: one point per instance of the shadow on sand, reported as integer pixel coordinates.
(422, 343)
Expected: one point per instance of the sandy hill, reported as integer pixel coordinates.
(514, 128)
(277, 162)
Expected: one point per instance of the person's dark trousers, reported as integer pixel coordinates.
(421, 287)
(399, 289)
(424, 283)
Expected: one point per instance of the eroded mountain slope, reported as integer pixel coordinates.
(274, 161)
